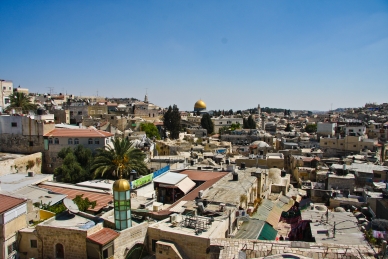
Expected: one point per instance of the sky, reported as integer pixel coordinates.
(292, 54)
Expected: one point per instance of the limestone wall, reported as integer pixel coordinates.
(189, 246)
(73, 241)
(128, 238)
(22, 164)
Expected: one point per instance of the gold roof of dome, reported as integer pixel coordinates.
(200, 105)
(121, 185)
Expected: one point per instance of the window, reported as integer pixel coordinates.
(50, 140)
(4, 88)
(325, 143)
(59, 252)
(92, 112)
(377, 175)
(7, 100)
(354, 145)
(34, 243)
(70, 141)
(56, 141)
(76, 141)
(90, 141)
(14, 124)
(71, 113)
(97, 141)
(31, 143)
(11, 248)
(99, 111)
(79, 112)
(108, 252)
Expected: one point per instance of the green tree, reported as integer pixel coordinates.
(172, 121)
(207, 123)
(311, 128)
(76, 165)
(150, 129)
(120, 158)
(251, 124)
(288, 127)
(22, 101)
(235, 126)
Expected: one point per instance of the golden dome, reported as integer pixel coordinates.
(200, 105)
(121, 185)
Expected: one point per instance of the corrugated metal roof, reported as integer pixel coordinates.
(250, 229)
(186, 185)
(268, 233)
(102, 199)
(170, 178)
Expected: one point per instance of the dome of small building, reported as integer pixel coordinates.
(199, 105)
(121, 185)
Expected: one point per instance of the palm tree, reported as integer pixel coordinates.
(121, 158)
(22, 101)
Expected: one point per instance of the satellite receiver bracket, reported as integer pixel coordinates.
(71, 206)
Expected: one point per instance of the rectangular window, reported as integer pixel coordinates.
(34, 243)
(71, 113)
(108, 252)
(14, 124)
(354, 145)
(79, 112)
(7, 101)
(96, 141)
(31, 143)
(377, 175)
(11, 248)
(154, 245)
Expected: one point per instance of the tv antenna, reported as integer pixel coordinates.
(71, 206)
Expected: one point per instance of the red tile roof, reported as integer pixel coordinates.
(102, 198)
(81, 133)
(8, 202)
(104, 236)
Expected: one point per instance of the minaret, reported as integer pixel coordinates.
(122, 204)
(146, 97)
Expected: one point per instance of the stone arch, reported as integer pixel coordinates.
(59, 251)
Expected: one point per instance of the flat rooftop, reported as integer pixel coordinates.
(13, 182)
(228, 191)
(180, 228)
(7, 156)
(69, 220)
(346, 230)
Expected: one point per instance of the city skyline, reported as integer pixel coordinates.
(298, 55)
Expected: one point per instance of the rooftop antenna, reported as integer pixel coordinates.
(50, 89)
(71, 206)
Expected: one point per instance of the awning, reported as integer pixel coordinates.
(186, 185)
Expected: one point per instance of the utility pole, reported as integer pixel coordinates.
(51, 89)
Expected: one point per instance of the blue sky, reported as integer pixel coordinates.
(231, 54)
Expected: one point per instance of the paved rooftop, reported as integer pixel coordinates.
(347, 231)
(13, 182)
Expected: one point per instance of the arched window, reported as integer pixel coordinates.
(50, 140)
(70, 141)
(96, 141)
(59, 252)
(56, 141)
(76, 141)
(90, 141)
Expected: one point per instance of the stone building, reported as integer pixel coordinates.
(6, 89)
(348, 144)
(13, 217)
(59, 138)
(22, 134)
(222, 121)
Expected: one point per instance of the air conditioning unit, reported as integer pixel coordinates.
(173, 218)
(157, 206)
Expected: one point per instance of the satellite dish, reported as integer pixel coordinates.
(71, 206)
